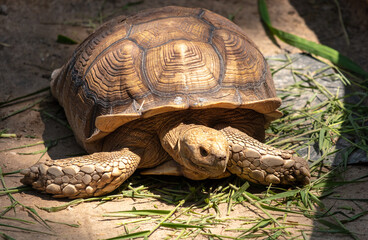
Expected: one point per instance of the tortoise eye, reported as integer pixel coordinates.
(203, 152)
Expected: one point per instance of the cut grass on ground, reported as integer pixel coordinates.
(196, 206)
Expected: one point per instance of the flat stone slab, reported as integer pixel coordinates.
(283, 65)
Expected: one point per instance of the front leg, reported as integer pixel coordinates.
(259, 163)
(78, 177)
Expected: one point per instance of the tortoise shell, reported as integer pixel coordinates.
(158, 61)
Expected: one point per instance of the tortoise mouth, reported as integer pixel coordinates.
(197, 171)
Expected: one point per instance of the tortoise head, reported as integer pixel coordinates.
(203, 152)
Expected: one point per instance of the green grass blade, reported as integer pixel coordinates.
(24, 229)
(17, 219)
(8, 135)
(71, 203)
(141, 234)
(355, 217)
(62, 223)
(5, 236)
(240, 191)
(25, 96)
(22, 109)
(148, 212)
(290, 193)
(179, 225)
(279, 209)
(32, 210)
(274, 236)
(318, 49)
(261, 224)
(167, 217)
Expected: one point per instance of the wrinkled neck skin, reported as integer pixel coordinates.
(201, 152)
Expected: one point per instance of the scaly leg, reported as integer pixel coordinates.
(259, 163)
(78, 177)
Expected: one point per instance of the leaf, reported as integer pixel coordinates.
(65, 40)
(318, 49)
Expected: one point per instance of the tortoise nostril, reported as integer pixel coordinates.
(203, 152)
(221, 157)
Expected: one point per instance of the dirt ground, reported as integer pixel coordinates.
(29, 52)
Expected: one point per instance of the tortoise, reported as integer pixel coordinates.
(173, 90)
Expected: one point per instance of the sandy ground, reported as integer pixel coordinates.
(29, 52)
